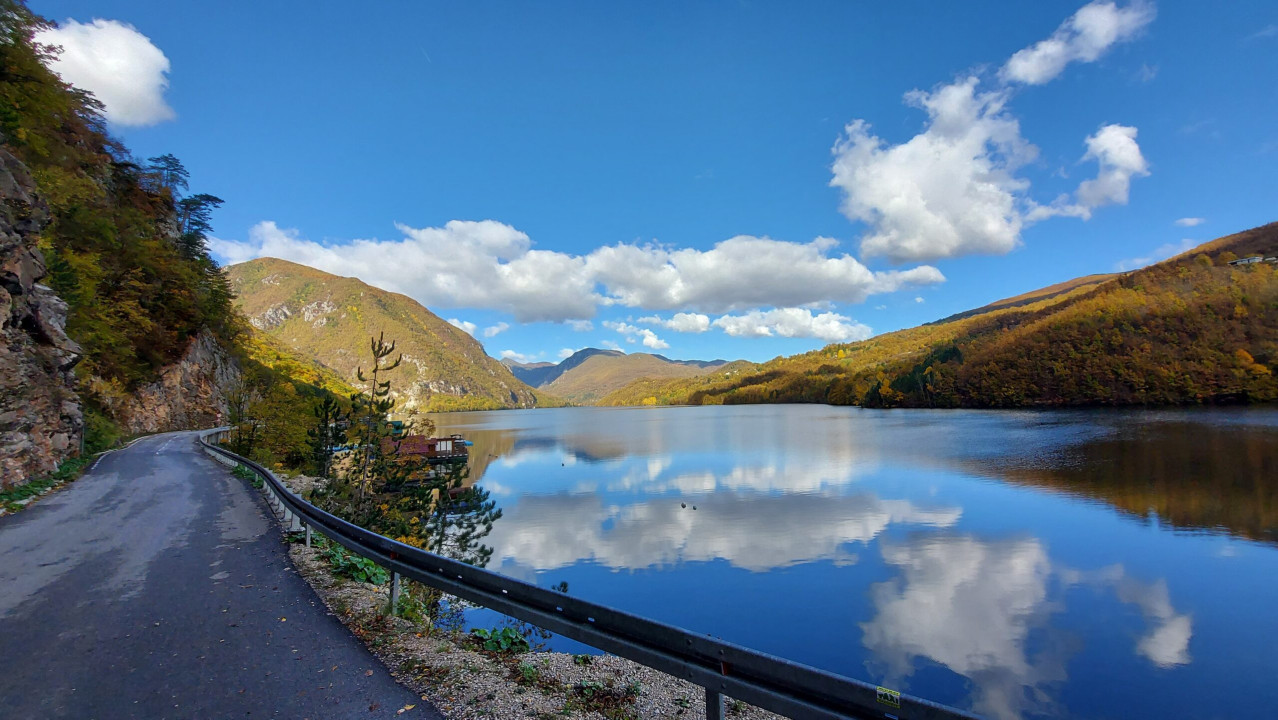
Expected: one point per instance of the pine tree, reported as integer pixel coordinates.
(372, 425)
(329, 432)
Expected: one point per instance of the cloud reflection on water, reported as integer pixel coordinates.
(751, 531)
(982, 607)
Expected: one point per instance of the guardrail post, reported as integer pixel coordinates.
(291, 521)
(308, 533)
(394, 598)
(714, 705)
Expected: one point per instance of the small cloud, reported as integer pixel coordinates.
(1146, 73)
(566, 353)
(793, 323)
(632, 334)
(468, 327)
(495, 330)
(611, 345)
(1190, 221)
(680, 322)
(1084, 37)
(581, 325)
(1161, 253)
(880, 307)
(1203, 127)
(1267, 31)
(918, 300)
(517, 356)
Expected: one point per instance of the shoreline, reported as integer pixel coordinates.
(449, 669)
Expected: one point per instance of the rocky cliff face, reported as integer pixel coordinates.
(40, 418)
(188, 394)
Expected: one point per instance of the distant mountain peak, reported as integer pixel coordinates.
(591, 373)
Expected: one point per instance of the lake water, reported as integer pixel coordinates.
(1118, 564)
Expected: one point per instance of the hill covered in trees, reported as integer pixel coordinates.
(118, 239)
(328, 320)
(1192, 329)
(114, 319)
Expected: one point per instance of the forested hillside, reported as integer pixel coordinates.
(1192, 329)
(120, 239)
(115, 319)
(329, 319)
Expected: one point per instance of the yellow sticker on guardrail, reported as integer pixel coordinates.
(889, 697)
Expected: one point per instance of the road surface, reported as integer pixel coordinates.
(156, 586)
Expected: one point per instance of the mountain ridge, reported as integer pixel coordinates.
(329, 319)
(1196, 328)
(591, 373)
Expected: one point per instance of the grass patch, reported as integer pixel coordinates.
(606, 698)
(68, 470)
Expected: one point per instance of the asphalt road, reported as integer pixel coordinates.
(156, 586)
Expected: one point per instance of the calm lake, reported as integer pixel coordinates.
(1118, 564)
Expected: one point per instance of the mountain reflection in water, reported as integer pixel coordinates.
(1021, 564)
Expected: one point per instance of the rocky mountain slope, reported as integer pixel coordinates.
(330, 319)
(588, 375)
(542, 374)
(40, 416)
(1197, 328)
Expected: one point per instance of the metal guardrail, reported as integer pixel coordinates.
(722, 668)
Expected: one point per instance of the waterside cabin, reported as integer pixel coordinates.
(435, 450)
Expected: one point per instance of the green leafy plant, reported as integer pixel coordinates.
(348, 564)
(505, 640)
(244, 472)
(528, 673)
(581, 660)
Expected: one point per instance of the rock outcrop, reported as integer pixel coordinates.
(190, 393)
(41, 422)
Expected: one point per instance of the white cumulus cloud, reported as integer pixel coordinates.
(495, 330)
(491, 265)
(467, 326)
(484, 264)
(681, 322)
(793, 323)
(950, 190)
(955, 188)
(566, 353)
(1191, 221)
(1114, 149)
(118, 64)
(741, 272)
(1084, 37)
(632, 333)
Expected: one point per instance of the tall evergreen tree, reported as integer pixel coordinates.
(329, 432)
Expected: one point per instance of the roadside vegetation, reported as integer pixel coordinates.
(16, 498)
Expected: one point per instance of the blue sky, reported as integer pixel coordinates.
(735, 180)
